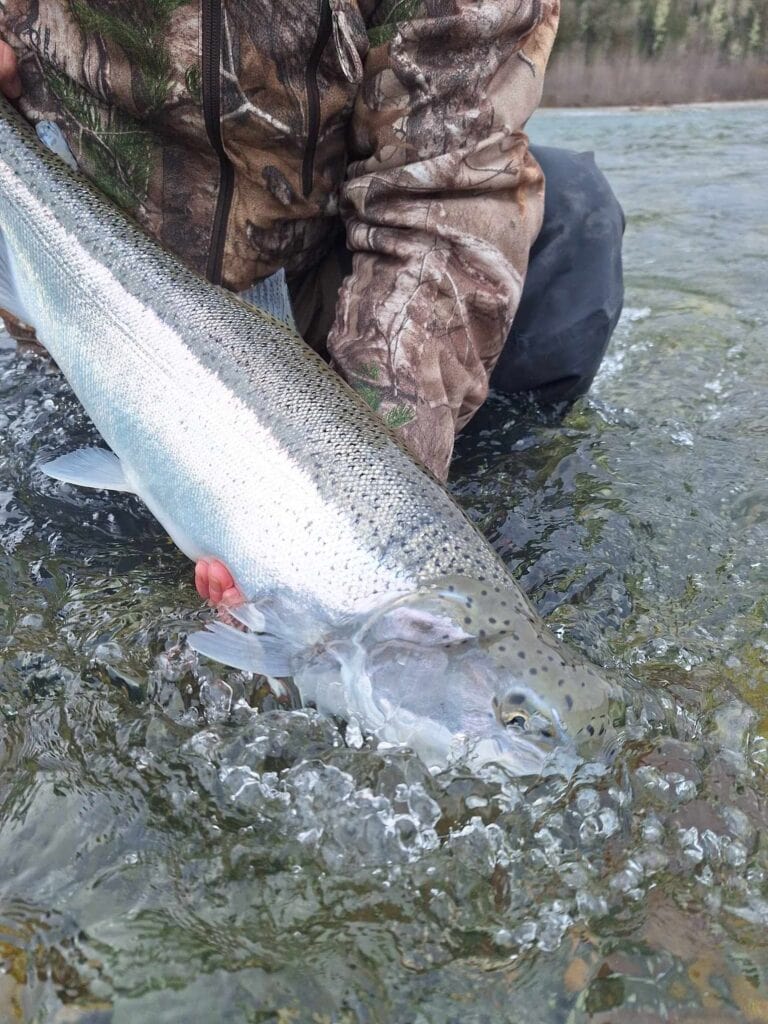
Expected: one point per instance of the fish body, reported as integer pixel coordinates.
(362, 577)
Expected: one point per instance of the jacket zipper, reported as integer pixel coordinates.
(211, 84)
(324, 29)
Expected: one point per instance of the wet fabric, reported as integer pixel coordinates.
(574, 289)
(399, 122)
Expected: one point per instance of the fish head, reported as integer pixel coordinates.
(466, 670)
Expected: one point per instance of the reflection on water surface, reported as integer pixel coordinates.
(169, 855)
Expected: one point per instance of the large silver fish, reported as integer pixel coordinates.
(363, 579)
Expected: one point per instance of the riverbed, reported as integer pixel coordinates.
(171, 854)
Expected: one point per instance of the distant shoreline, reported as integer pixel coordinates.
(628, 80)
(639, 108)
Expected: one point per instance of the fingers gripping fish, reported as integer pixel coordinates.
(361, 578)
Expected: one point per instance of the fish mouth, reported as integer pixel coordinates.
(518, 757)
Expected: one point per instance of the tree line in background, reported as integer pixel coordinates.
(734, 29)
(659, 51)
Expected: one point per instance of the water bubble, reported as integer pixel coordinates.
(710, 844)
(653, 830)
(426, 810)
(609, 822)
(353, 735)
(216, 699)
(548, 840)
(587, 801)
(738, 824)
(109, 652)
(734, 852)
(591, 904)
(653, 780)
(706, 875)
(652, 859)
(628, 879)
(682, 787)
(756, 912)
(525, 934)
(503, 937)
(691, 844)
(32, 621)
(589, 829)
(554, 922)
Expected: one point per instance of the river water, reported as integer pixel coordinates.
(170, 855)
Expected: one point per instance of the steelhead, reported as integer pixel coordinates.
(363, 579)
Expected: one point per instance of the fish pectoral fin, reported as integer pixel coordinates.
(251, 616)
(264, 654)
(10, 300)
(427, 625)
(298, 630)
(89, 467)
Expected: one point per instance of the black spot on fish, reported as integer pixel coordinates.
(492, 621)
(532, 671)
(591, 730)
(521, 654)
(467, 620)
(561, 682)
(568, 701)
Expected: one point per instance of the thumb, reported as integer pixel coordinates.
(10, 83)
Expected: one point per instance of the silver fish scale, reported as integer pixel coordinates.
(238, 437)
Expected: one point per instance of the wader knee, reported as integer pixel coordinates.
(574, 290)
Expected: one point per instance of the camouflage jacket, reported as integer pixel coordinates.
(246, 134)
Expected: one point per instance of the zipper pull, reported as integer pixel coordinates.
(343, 38)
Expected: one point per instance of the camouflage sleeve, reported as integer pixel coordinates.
(442, 204)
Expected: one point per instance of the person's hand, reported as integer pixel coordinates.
(214, 583)
(10, 83)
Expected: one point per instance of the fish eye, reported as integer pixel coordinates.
(516, 718)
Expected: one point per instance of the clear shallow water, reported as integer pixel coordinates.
(168, 855)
